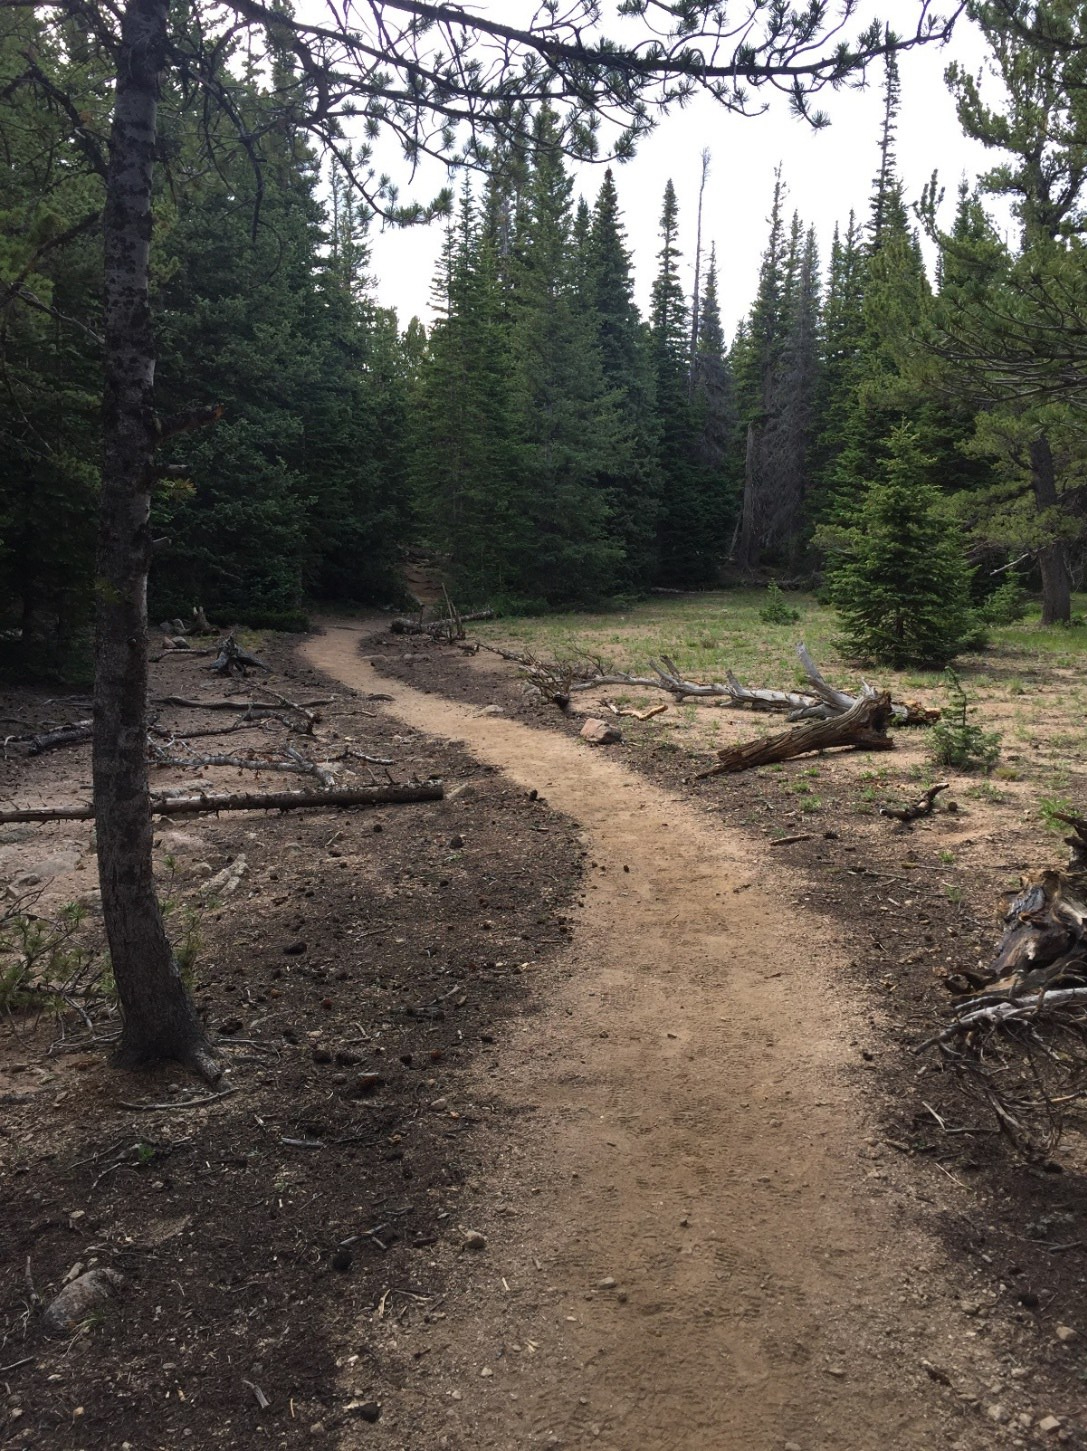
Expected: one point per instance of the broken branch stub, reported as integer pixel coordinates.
(1018, 1040)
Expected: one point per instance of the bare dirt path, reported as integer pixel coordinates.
(689, 1247)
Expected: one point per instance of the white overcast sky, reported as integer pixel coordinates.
(826, 173)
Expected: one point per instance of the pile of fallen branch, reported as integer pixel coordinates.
(824, 719)
(1018, 1039)
(172, 747)
(448, 626)
(559, 680)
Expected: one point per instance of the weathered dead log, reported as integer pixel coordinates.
(247, 801)
(233, 660)
(862, 727)
(294, 764)
(993, 1014)
(243, 707)
(635, 714)
(561, 679)
(407, 626)
(905, 712)
(924, 806)
(37, 744)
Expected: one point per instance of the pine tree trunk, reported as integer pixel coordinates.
(157, 1015)
(1052, 558)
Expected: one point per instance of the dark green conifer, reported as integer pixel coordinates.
(898, 573)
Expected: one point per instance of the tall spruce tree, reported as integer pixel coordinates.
(466, 463)
(1006, 330)
(50, 349)
(898, 573)
(568, 421)
(757, 356)
(631, 475)
(693, 504)
(787, 436)
(713, 391)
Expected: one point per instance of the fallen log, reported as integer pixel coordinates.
(294, 764)
(37, 744)
(243, 706)
(924, 806)
(863, 727)
(635, 714)
(559, 680)
(836, 701)
(448, 625)
(206, 802)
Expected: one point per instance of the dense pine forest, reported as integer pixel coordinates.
(870, 427)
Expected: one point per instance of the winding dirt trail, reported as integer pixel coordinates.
(698, 1138)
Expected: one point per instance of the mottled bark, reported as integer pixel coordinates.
(158, 1019)
(1052, 558)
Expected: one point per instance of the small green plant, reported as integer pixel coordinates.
(182, 921)
(776, 611)
(956, 741)
(947, 857)
(896, 565)
(1007, 604)
(1051, 807)
(39, 960)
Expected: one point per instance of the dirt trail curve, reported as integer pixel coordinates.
(698, 1138)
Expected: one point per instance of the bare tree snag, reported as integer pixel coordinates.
(863, 727)
(207, 802)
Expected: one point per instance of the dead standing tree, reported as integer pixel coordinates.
(442, 80)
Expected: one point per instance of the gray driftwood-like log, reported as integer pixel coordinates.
(831, 701)
(38, 743)
(207, 802)
(294, 763)
(558, 681)
(862, 727)
(244, 707)
(233, 660)
(447, 627)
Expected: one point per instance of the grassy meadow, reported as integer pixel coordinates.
(1029, 684)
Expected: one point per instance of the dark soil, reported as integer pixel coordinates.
(366, 959)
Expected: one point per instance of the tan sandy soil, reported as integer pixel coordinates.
(685, 1248)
